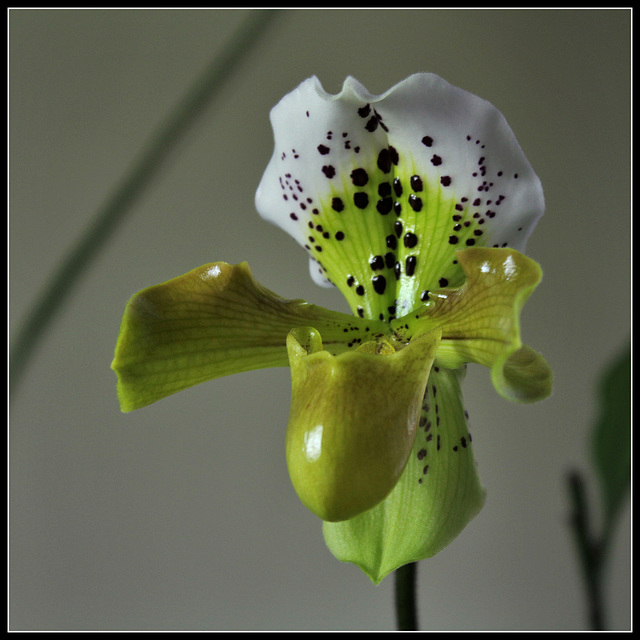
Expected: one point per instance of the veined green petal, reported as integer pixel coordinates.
(353, 420)
(480, 321)
(211, 322)
(437, 496)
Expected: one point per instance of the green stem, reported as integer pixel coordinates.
(590, 552)
(405, 597)
(165, 140)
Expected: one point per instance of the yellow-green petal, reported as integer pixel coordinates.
(214, 321)
(353, 420)
(438, 494)
(480, 321)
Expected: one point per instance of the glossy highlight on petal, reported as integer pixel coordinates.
(353, 420)
(383, 190)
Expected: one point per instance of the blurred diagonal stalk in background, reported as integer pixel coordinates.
(167, 137)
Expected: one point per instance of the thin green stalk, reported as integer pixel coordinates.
(115, 209)
(590, 551)
(405, 597)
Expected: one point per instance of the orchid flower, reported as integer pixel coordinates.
(417, 205)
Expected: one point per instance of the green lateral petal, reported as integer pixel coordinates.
(438, 494)
(211, 322)
(480, 321)
(353, 420)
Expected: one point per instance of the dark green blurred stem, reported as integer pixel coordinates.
(405, 596)
(590, 551)
(115, 209)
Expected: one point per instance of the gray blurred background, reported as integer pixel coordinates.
(181, 515)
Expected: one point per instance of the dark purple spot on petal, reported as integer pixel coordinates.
(410, 265)
(410, 240)
(372, 124)
(384, 206)
(379, 284)
(384, 160)
(376, 263)
(359, 177)
(415, 202)
(416, 183)
(328, 171)
(361, 199)
(384, 189)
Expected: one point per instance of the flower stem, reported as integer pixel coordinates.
(115, 209)
(590, 551)
(405, 597)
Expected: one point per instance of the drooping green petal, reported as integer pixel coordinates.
(381, 190)
(211, 322)
(522, 375)
(480, 321)
(437, 496)
(353, 420)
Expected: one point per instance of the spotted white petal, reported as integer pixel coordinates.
(382, 190)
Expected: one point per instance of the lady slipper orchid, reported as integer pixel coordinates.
(417, 205)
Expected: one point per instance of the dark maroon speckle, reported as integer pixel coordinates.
(360, 199)
(328, 171)
(359, 177)
(410, 265)
(379, 284)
